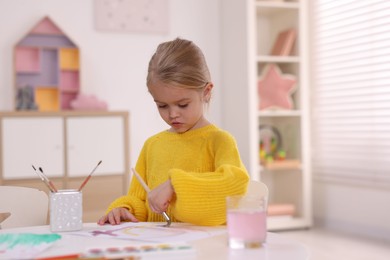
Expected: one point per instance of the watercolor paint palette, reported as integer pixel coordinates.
(162, 251)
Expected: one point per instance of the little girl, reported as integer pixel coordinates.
(191, 167)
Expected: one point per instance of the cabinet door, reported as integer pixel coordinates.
(32, 141)
(91, 139)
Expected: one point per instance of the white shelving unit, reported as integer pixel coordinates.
(250, 29)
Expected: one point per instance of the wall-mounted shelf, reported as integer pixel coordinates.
(282, 165)
(47, 62)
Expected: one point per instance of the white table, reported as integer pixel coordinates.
(277, 247)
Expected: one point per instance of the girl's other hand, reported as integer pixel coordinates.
(160, 197)
(115, 216)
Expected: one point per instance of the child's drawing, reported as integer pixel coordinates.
(25, 245)
(152, 232)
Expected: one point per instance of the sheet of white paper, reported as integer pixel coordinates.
(152, 232)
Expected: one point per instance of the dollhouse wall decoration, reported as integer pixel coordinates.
(46, 62)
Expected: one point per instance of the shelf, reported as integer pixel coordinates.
(27, 60)
(260, 27)
(47, 98)
(278, 59)
(275, 7)
(69, 80)
(47, 41)
(286, 179)
(271, 19)
(275, 223)
(282, 210)
(279, 113)
(47, 61)
(287, 164)
(69, 59)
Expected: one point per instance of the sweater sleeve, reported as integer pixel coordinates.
(201, 197)
(135, 200)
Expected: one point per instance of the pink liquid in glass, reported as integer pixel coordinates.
(247, 226)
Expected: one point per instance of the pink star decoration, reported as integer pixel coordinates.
(275, 88)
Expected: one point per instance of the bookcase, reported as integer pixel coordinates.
(47, 69)
(68, 145)
(250, 36)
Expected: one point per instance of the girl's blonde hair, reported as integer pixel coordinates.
(179, 63)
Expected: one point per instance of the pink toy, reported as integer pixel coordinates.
(275, 88)
(88, 102)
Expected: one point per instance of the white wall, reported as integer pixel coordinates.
(113, 65)
(359, 210)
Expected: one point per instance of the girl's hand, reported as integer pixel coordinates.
(115, 216)
(160, 197)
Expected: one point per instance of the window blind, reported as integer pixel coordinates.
(351, 91)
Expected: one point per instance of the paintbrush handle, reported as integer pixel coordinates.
(147, 189)
(44, 180)
(48, 181)
(89, 176)
(141, 181)
(85, 182)
(51, 184)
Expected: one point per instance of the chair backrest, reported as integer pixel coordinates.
(257, 188)
(28, 206)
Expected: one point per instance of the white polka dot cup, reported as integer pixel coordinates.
(66, 210)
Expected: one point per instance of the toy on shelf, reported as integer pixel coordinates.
(270, 144)
(281, 209)
(25, 99)
(275, 88)
(272, 156)
(47, 61)
(284, 43)
(88, 102)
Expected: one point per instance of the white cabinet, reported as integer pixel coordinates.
(92, 139)
(67, 145)
(250, 30)
(63, 144)
(32, 141)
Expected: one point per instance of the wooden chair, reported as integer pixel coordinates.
(27, 206)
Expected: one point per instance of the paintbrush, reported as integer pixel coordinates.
(43, 179)
(89, 176)
(49, 182)
(147, 189)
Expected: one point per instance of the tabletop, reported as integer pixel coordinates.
(213, 245)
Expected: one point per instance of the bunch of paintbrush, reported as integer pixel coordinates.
(45, 179)
(50, 184)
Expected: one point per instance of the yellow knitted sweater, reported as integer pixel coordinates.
(204, 166)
